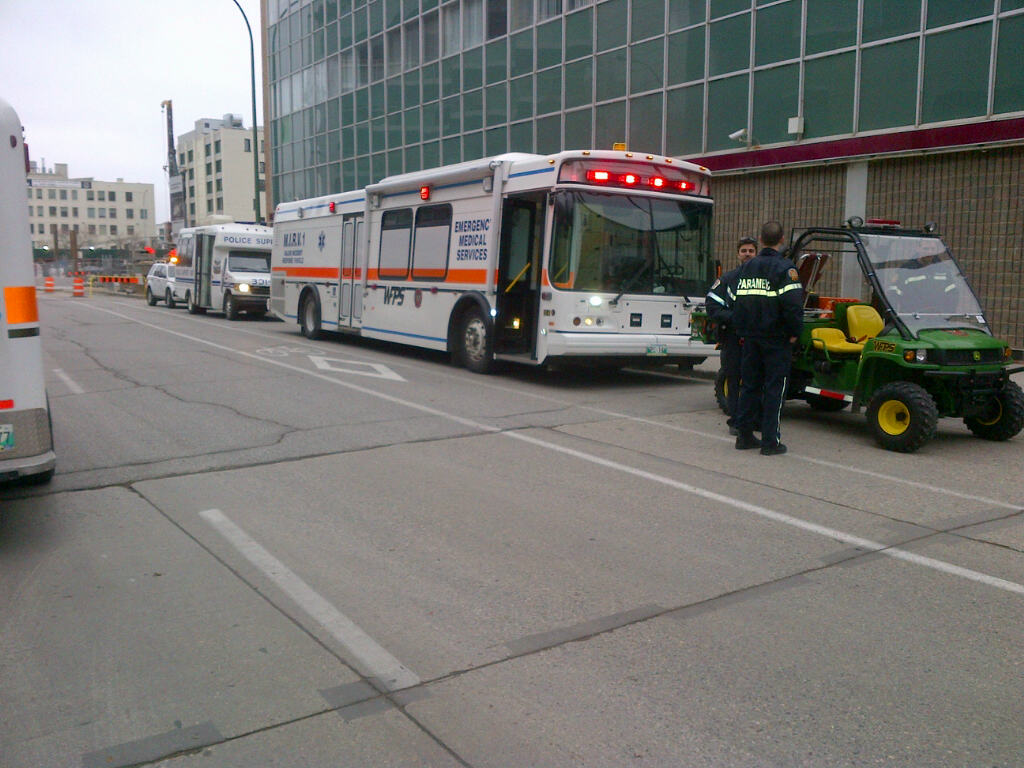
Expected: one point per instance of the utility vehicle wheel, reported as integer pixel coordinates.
(191, 306)
(825, 404)
(150, 298)
(230, 307)
(722, 391)
(474, 342)
(309, 318)
(1003, 418)
(169, 299)
(903, 416)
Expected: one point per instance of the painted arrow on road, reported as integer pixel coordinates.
(359, 368)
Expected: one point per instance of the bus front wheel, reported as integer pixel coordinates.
(474, 342)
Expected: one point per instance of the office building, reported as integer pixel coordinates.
(809, 111)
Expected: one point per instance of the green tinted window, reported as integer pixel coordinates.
(730, 45)
(610, 124)
(411, 87)
(451, 80)
(611, 75)
(723, 7)
(684, 13)
(497, 69)
(378, 134)
(473, 68)
(648, 19)
(431, 154)
(1009, 96)
(549, 134)
(450, 114)
(362, 104)
(611, 24)
(473, 110)
(888, 85)
(578, 128)
(579, 83)
(686, 56)
(394, 90)
(549, 92)
(430, 82)
(549, 44)
(521, 97)
(778, 33)
(828, 96)
(412, 159)
(378, 100)
(432, 121)
(579, 34)
(451, 150)
(496, 141)
(473, 145)
(888, 18)
(412, 126)
(645, 123)
(943, 12)
(727, 110)
(395, 138)
(776, 93)
(497, 111)
(956, 73)
(647, 63)
(520, 137)
(521, 48)
(830, 24)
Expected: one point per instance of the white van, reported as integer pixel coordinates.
(26, 434)
(223, 267)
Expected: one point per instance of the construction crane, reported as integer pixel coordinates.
(174, 184)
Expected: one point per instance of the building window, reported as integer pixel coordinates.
(113, 229)
(128, 197)
(143, 213)
(209, 206)
(51, 194)
(522, 13)
(92, 229)
(548, 9)
(90, 195)
(131, 230)
(220, 205)
(74, 212)
(216, 166)
(206, 150)
(103, 195)
(53, 210)
(130, 213)
(113, 213)
(63, 194)
(450, 29)
(181, 158)
(39, 194)
(497, 18)
(216, 147)
(220, 184)
(90, 213)
(63, 211)
(103, 213)
(190, 156)
(209, 169)
(103, 229)
(247, 145)
(112, 196)
(209, 187)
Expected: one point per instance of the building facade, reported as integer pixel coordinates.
(807, 110)
(215, 163)
(104, 214)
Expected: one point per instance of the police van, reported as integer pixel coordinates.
(26, 433)
(584, 255)
(223, 267)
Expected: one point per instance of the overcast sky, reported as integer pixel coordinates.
(87, 77)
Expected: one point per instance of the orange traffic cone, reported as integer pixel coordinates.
(78, 288)
(48, 285)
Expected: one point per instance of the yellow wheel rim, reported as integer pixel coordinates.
(894, 417)
(997, 413)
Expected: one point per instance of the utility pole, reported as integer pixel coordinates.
(255, 140)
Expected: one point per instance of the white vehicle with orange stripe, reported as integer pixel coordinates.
(582, 255)
(26, 435)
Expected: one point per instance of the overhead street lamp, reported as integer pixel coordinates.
(255, 140)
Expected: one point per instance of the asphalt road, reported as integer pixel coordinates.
(261, 550)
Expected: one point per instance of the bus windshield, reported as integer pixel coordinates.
(631, 244)
(922, 283)
(249, 261)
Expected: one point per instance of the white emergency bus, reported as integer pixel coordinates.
(223, 267)
(585, 255)
(26, 435)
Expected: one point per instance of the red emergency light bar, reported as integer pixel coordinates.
(658, 177)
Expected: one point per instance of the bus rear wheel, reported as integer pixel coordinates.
(309, 317)
(191, 306)
(474, 342)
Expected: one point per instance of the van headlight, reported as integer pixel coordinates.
(243, 287)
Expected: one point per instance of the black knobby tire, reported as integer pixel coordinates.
(309, 318)
(191, 306)
(230, 307)
(473, 341)
(903, 416)
(722, 391)
(150, 298)
(1003, 419)
(169, 299)
(825, 404)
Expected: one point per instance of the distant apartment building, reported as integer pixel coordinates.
(105, 214)
(215, 162)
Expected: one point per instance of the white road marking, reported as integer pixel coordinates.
(70, 383)
(832, 533)
(359, 368)
(369, 658)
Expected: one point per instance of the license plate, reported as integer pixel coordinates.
(657, 350)
(6, 437)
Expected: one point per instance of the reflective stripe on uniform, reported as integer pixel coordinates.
(755, 292)
(790, 287)
(717, 298)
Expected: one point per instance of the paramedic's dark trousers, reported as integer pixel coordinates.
(764, 370)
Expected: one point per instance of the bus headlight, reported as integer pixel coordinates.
(243, 287)
(595, 301)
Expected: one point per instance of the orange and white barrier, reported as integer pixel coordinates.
(78, 287)
(48, 285)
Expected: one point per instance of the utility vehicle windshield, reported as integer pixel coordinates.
(248, 261)
(922, 282)
(631, 244)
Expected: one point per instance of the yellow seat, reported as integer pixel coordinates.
(864, 322)
(833, 340)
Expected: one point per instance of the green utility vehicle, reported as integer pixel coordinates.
(916, 348)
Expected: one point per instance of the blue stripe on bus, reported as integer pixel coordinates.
(402, 333)
(531, 173)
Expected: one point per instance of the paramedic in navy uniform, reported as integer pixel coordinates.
(768, 315)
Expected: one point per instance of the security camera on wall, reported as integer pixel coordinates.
(740, 135)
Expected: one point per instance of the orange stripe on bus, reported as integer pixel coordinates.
(21, 304)
(307, 271)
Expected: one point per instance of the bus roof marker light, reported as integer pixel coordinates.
(331, 207)
(425, 192)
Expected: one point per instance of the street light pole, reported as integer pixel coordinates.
(255, 140)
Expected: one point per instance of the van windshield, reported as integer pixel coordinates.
(249, 261)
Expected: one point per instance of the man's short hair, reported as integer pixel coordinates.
(746, 241)
(771, 233)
